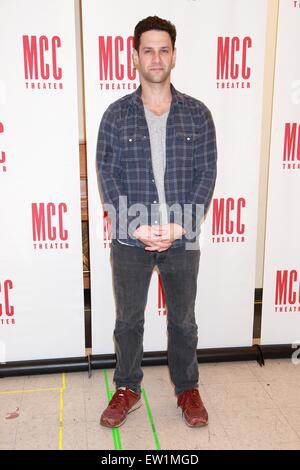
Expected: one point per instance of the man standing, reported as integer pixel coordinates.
(157, 150)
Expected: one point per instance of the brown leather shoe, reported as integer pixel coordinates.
(122, 403)
(193, 409)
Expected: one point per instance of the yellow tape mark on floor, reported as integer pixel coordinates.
(60, 437)
(31, 391)
(61, 402)
(63, 381)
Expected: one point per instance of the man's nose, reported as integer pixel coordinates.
(156, 57)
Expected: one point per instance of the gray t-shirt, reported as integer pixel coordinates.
(157, 132)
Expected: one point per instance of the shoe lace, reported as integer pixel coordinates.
(191, 397)
(119, 399)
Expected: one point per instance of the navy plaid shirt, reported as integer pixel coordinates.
(124, 164)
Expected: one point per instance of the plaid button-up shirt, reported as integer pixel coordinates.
(124, 164)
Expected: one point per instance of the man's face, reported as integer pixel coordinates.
(156, 57)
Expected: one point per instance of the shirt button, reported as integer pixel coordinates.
(152, 181)
(145, 137)
(188, 138)
(155, 221)
(130, 140)
(155, 202)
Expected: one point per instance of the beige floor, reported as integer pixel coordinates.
(249, 407)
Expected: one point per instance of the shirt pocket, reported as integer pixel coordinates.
(185, 142)
(132, 148)
(134, 165)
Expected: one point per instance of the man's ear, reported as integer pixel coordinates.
(174, 58)
(135, 58)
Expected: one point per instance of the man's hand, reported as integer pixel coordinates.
(168, 233)
(158, 237)
(151, 236)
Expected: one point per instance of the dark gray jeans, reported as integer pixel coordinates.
(132, 270)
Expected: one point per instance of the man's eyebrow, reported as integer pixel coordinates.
(150, 47)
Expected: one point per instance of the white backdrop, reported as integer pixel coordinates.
(281, 298)
(41, 284)
(207, 31)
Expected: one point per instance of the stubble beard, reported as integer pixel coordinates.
(153, 78)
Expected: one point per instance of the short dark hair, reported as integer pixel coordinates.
(153, 22)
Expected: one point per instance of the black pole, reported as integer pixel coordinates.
(103, 361)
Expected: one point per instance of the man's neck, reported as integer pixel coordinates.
(156, 93)
(156, 97)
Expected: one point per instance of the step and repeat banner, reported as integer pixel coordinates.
(281, 290)
(41, 280)
(220, 61)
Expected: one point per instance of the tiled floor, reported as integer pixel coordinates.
(249, 408)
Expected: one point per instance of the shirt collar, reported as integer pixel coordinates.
(177, 97)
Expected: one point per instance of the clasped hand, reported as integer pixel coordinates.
(158, 237)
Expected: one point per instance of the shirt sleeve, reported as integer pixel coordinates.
(108, 159)
(109, 175)
(205, 173)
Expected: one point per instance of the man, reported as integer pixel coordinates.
(157, 149)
